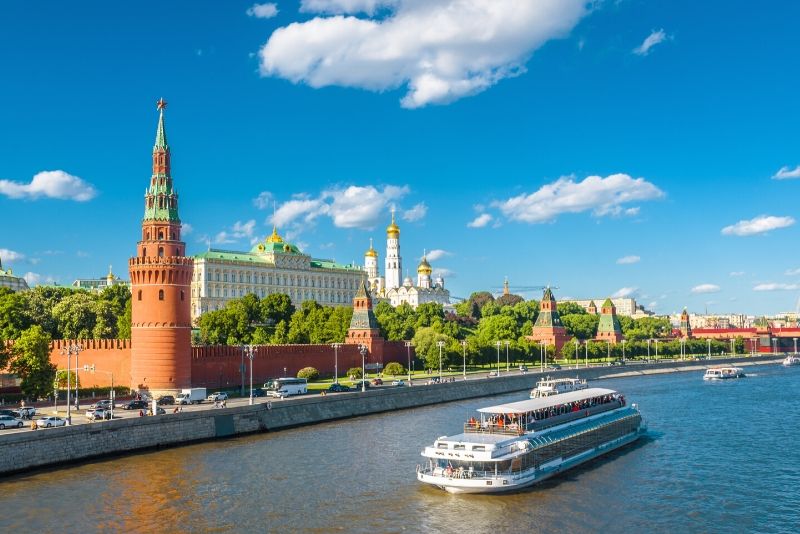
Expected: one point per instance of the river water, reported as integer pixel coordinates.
(718, 457)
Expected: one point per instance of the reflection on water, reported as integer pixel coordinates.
(719, 457)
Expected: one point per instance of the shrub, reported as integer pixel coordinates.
(355, 372)
(309, 373)
(394, 369)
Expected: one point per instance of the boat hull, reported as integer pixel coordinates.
(504, 483)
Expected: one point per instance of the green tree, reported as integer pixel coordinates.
(13, 319)
(569, 308)
(309, 373)
(31, 362)
(76, 315)
(508, 300)
(39, 303)
(394, 369)
(480, 298)
(276, 307)
(124, 322)
(426, 348)
(581, 325)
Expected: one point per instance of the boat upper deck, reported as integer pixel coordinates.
(533, 405)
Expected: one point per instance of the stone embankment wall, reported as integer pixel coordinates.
(29, 450)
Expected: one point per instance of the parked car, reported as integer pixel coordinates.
(357, 384)
(523, 368)
(7, 421)
(258, 392)
(398, 382)
(165, 400)
(26, 413)
(134, 405)
(99, 414)
(618, 362)
(218, 396)
(12, 413)
(377, 382)
(338, 388)
(159, 411)
(494, 374)
(105, 403)
(51, 421)
(554, 367)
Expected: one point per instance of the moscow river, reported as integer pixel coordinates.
(718, 457)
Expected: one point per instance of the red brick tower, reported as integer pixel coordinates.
(364, 326)
(548, 328)
(160, 279)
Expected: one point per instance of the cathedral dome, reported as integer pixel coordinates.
(407, 282)
(275, 237)
(371, 253)
(424, 266)
(393, 231)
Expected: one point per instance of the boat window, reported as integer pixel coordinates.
(459, 447)
(441, 445)
(478, 448)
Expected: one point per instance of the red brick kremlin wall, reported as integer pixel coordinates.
(218, 366)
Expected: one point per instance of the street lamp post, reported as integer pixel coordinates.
(336, 361)
(795, 344)
(656, 343)
(440, 344)
(111, 396)
(250, 349)
(241, 372)
(508, 367)
(586, 353)
(774, 349)
(464, 346)
(733, 347)
(623, 351)
(408, 353)
(363, 350)
(709, 349)
(576, 353)
(648, 350)
(497, 344)
(69, 350)
(608, 345)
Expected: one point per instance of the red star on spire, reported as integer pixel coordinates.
(161, 104)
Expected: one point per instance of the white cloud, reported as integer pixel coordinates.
(632, 212)
(349, 207)
(789, 272)
(480, 221)
(263, 200)
(416, 213)
(785, 173)
(50, 184)
(186, 228)
(627, 260)
(603, 196)
(776, 287)
(736, 273)
(32, 278)
(652, 305)
(263, 11)
(439, 50)
(625, 292)
(238, 231)
(706, 288)
(10, 255)
(655, 37)
(758, 225)
(444, 273)
(437, 254)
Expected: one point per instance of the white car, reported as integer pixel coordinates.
(6, 421)
(51, 421)
(398, 382)
(219, 396)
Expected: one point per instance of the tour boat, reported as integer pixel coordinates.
(723, 373)
(791, 359)
(554, 386)
(514, 445)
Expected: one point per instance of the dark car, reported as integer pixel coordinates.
(165, 400)
(10, 413)
(338, 388)
(258, 392)
(135, 405)
(377, 382)
(554, 367)
(618, 362)
(357, 384)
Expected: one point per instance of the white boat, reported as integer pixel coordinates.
(791, 359)
(511, 446)
(723, 373)
(555, 386)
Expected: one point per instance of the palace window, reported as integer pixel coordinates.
(139, 295)
(160, 294)
(181, 294)
(160, 252)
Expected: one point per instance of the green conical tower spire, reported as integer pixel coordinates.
(161, 200)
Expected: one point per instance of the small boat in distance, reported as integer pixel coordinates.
(723, 373)
(555, 386)
(791, 359)
(514, 445)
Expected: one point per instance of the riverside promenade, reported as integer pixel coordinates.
(26, 449)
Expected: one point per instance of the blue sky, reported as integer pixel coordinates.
(627, 147)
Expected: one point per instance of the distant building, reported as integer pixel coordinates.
(7, 279)
(625, 306)
(99, 284)
(272, 266)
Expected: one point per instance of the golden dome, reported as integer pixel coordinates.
(393, 230)
(424, 266)
(372, 253)
(274, 238)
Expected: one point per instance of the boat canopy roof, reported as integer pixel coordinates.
(532, 405)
